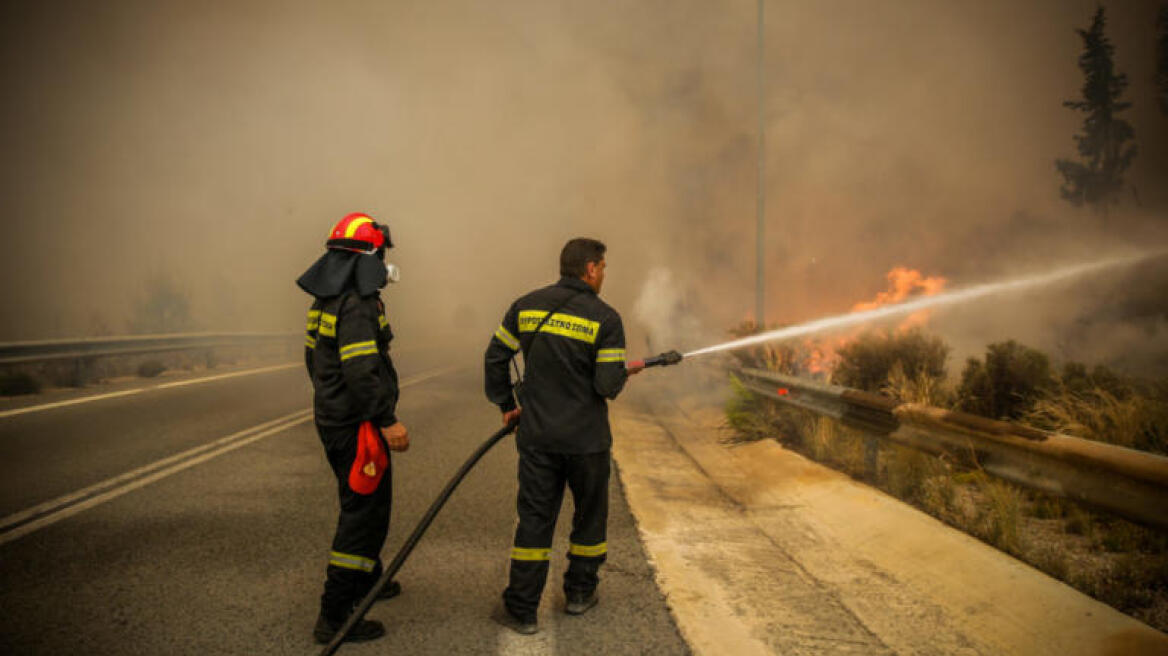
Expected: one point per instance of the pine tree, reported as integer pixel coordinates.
(1097, 180)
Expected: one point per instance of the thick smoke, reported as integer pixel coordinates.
(667, 315)
(214, 144)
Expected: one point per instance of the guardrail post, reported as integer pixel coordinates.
(871, 455)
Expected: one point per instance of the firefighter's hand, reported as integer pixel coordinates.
(634, 369)
(397, 437)
(512, 416)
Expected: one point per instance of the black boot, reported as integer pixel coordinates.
(578, 604)
(522, 625)
(364, 630)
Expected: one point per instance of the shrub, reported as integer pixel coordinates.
(1050, 559)
(866, 362)
(1007, 384)
(76, 372)
(150, 368)
(1130, 583)
(780, 357)
(15, 383)
(1080, 522)
(1048, 507)
(939, 495)
(1077, 380)
(923, 389)
(907, 470)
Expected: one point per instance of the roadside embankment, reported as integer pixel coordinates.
(760, 551)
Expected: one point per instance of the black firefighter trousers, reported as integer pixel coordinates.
(542, 476)
(354, 562)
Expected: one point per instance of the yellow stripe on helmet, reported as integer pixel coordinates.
(351, 229)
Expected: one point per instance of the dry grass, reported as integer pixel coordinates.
(905, 473)
(998, 518)
(1097, 414)
(837, 445)
(926, 390)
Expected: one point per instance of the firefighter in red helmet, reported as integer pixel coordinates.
(355, 397)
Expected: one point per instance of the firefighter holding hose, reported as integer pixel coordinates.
(355, 396)
(573, 345)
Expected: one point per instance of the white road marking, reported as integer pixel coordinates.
(421, 378)
(69, 511)
(234, 374)
(139, 390)
(49, 506)
(22, 523)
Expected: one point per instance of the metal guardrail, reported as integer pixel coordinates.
(1129, 483)
(38, 351)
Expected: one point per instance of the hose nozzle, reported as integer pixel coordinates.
(666, 358)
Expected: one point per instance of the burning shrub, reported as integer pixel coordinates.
(867, 362)
(1007, 385)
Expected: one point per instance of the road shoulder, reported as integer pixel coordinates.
(761, 551)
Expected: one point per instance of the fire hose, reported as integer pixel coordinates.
(668, 358)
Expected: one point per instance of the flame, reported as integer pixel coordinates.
(903, 282)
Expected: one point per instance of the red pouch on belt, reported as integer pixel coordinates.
(371, 460)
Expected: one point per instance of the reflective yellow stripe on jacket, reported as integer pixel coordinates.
(357, 349)
(328, 324)
(611, 355)
(565, 325)
(507, 338)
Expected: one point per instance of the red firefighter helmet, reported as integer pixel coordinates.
(359, 233)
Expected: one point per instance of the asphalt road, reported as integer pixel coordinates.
(222, 551)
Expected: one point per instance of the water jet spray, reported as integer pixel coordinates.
(838, 322)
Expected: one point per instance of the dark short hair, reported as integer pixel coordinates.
(577, 254)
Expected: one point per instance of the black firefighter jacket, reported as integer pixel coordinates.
(577, 363)
(347, 354)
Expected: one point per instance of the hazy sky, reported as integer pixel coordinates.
(216, 143)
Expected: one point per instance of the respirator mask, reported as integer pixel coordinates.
(392, 272)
